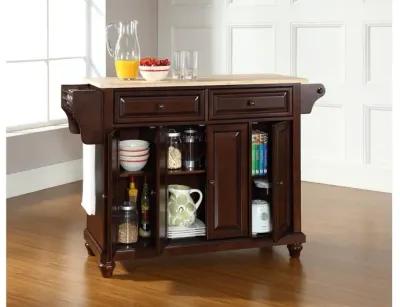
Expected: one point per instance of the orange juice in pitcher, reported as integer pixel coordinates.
(127, 69)
(126, 52)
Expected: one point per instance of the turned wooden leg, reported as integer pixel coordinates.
(89, 250)
(107, 269)
(295, 250)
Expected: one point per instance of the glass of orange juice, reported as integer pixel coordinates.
(126, 53)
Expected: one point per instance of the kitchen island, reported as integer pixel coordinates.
(226, 109)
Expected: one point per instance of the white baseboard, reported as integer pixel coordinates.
(359, 176)
(44, 177)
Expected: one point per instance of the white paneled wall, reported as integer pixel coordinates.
(345, 44)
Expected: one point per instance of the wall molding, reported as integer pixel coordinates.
(366, 144)
(367, 46)
(294, 26)
(229, 41)
(324, 104)
(43, 178)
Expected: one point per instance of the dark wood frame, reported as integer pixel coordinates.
(95, 114)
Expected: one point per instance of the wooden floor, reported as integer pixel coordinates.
(346, 262)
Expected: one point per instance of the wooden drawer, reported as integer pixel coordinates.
(151, 106)
(250, 103)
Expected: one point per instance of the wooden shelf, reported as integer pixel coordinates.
(260, 176)
(124, 173)
(142, 248)
(185, 172)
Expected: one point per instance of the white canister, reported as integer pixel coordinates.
(261, 217)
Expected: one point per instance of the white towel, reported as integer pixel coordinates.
(89, 179)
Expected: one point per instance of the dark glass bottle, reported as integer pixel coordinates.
(144, 230)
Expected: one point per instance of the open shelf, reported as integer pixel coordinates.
(124, 174)
(185, 172)
(188, 240)
(142, 248)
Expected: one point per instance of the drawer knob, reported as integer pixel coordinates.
(251, 103)
(161, 106)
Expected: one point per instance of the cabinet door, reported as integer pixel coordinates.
(227, 174)
(161, 189)
(281, 178)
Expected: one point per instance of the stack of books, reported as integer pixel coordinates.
(259, 153)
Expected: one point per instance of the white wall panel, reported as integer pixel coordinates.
(346, 45)
(324, 133)
(378, 53)
(319, 52)
(252, 49)
(378, 135)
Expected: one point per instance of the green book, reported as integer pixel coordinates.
(257, 164)
(253, 154)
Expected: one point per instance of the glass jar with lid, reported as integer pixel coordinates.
(174, 150)
(193, 149)
(127, 224)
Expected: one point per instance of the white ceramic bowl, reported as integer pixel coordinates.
(133, 166)
(128, 153)
(154, 73)
(133, 159)
(133, 145)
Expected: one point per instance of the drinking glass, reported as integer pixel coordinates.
(194, 64)
(176, 65)
(185, 64)
(189, 62)
(183, 55)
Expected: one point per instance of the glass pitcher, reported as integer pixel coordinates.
(126, 53)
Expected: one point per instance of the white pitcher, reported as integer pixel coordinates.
(181, 207)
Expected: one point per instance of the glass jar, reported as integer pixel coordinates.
(128, 224)
(193, 149)
(174, 150)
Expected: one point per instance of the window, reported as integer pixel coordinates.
(49, 44)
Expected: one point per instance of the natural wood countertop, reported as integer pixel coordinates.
(112, 82)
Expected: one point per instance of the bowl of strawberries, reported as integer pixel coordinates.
(154, 69)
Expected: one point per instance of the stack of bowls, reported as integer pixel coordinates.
(133, 154)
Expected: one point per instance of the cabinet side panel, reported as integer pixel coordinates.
(161, 189)
(296, 152)
(282, 179)
(95, 223)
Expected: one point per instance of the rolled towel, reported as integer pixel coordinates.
(89, 179)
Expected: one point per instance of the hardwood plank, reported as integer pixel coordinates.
(346, 261)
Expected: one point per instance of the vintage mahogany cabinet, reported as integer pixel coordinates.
(226, 109)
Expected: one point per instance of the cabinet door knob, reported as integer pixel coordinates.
(320, 90)
(212, 182)
(279, 182)
(251, 103)
(161, 106)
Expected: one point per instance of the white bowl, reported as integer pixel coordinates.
(154, 73)
(134, 159)
(133, 166)
(134, 153)
(133, 145)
